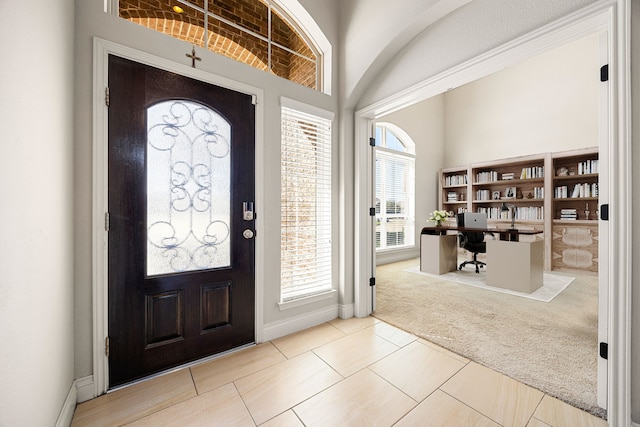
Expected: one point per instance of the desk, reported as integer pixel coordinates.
(507, 234)
(515, 265)
(511, 264)
(438, 253)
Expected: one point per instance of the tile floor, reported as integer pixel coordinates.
(346, 372)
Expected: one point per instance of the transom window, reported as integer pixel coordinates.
(395, 188)
(256, 32)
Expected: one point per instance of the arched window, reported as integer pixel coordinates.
(395, 188)
(259, 33)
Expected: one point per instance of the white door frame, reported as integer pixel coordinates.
(612, 16)
(101, 50)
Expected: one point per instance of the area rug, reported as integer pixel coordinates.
(551, 346)
(552, 284)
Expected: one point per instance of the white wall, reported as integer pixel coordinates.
(36, 170)
(545, 104)
(462, 35)
(93, 22)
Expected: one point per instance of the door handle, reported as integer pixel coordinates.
(248, 234)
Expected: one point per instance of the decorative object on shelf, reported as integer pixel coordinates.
(438, 217)
(496, 195)
(510, 193)
(562, 171)
(586, 211)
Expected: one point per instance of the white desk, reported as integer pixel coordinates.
(438, 253)
(517, 266)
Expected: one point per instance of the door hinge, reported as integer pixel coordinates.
(106, 221)
(604, 212)
(372, 211)
(106, 346)
(604, 73)
(106, 96)
(372, 142)
(372, 281)
(604, 350)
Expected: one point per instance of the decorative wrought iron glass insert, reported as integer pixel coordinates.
(188, 188)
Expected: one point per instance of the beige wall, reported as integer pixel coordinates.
(544, 104)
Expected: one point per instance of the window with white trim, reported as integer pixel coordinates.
(277, 36)
(305, 201)
(395, 188)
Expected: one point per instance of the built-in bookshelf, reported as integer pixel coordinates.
(454, 184)
(514, 187)
(575, 186)
(554, 191)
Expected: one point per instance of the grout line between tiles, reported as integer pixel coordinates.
(470, 407)
(244, 403)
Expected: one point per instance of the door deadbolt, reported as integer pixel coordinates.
(248, 234)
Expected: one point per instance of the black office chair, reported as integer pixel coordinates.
(472, 241)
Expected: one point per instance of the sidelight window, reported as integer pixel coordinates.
(305, 203)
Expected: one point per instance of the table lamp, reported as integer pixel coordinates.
(510, 208)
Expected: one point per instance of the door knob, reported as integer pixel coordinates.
(248, 234)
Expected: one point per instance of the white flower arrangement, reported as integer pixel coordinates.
(438, 217)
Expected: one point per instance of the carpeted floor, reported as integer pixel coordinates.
(551, 346)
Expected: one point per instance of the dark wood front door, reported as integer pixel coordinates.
(181, 192)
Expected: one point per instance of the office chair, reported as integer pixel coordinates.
(472, 241)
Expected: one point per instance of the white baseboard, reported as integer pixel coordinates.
(68, 408)
(81, 390)
(85, 389)
(279, 329)
(397, 255)
(346, 311)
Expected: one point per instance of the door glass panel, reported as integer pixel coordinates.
(188, 188)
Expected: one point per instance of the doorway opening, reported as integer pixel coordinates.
(609, 154)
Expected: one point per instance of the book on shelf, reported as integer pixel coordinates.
(487, 176)
(585, 190)
(588, 167)
(508, 176)
(455, 180)
(561, 192)
(532, 172)
(522, 213)
(571, 214)
(452, 196)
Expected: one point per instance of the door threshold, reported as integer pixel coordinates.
(183, 366)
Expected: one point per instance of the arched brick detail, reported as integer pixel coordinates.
(229, 41)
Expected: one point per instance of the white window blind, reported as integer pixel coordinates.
(305, 204)
(395, 189)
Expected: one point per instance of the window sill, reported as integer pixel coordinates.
(396, 249)
(299, 302)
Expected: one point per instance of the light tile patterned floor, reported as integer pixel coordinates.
(341, 373)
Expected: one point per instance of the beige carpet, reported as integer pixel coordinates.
(551, 346)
